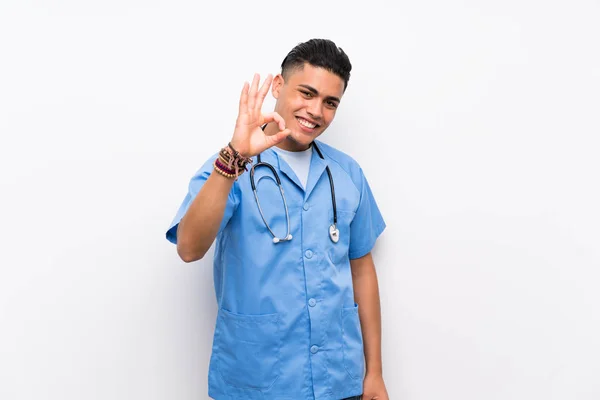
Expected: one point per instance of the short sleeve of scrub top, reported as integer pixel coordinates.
(368, 222)
(196, 183)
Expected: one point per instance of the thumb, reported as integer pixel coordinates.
(278, 137)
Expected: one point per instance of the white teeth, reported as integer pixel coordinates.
(306, 123)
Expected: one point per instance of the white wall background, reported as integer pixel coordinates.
(489, 268)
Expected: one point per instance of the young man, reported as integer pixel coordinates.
(297, 291)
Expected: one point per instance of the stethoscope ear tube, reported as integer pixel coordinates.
(331, 185)
(258, 164)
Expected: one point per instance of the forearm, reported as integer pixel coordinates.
(200, 224)
(366, 295)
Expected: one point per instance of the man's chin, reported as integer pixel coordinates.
(301, 138)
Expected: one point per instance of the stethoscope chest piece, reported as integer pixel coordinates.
(277, 240)
(334, 233)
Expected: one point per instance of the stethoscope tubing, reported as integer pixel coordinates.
(288, 236)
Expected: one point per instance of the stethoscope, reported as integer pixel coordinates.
(334, 233)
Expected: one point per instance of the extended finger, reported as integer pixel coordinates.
(252, 93)
(270, 117)
(244, 99)
(262, 93)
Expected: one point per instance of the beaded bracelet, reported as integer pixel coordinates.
(222, 169)
(225, 174)
(230, 155)
(230, 162)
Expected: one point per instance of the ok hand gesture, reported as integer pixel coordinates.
(248, 137)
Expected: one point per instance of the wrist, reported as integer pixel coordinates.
(374, 371)
(230, 163)
(239, 148)
(222, 169)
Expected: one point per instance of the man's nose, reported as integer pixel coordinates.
(314, 110)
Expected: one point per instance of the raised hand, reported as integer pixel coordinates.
(248, 137)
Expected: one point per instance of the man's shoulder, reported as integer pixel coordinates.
(344, 160)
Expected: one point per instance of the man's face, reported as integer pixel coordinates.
(307, 101)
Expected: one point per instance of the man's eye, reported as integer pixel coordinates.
(307, 94)
(332, 104)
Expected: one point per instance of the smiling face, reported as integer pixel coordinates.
(307, 100)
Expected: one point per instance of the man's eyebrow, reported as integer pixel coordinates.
(316, 93)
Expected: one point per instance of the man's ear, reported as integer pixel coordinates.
(278, 82)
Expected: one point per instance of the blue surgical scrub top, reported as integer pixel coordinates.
(287, 325)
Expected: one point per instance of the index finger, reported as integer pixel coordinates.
(275, 117)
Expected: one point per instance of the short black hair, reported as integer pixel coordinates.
(321, 53)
